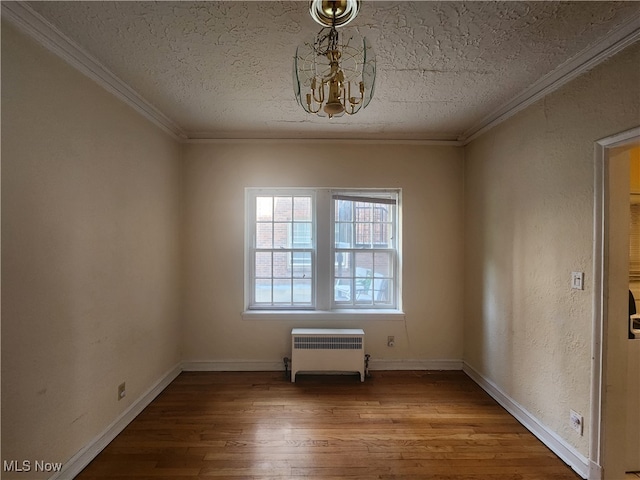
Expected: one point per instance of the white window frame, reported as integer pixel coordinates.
(323, 244)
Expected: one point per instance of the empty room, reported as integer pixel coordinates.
(320, 240)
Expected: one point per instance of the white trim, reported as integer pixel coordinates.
(443, 364)
(36, 26)
(595, 471)
(233, 366)
(325, 140)
(578, 462)
(598, 306)
(84, 456)
(619, 138)
(317, 315)
(625, 35)
(275, 366)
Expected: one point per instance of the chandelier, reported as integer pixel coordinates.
(334, 73)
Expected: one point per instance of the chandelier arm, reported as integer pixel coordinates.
(353, 110)
(352, 100)
(319, 99)
(311, 110)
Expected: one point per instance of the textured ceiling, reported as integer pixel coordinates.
(223, 69)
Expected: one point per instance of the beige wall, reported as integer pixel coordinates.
(529, 187)
(90, 255)
(216, 175)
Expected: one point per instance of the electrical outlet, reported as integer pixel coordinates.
(391, 341)
(576, 421)
(122, 391)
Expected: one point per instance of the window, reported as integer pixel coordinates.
(364, 251)
(322, 250)
(282, 255)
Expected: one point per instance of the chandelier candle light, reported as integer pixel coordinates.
(336, 72)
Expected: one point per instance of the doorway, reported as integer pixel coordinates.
(608, 452)
(631, 154)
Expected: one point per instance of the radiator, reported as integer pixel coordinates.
(327, 350)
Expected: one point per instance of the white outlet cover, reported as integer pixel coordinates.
(576, 421)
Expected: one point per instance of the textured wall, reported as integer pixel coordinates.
(216, 176)
(529, 186)
(90, 252)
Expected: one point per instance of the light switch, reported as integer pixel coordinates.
(577, 280)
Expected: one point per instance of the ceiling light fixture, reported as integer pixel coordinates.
(335, 72)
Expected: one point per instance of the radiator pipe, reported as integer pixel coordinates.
(286, 361)
(366, 365)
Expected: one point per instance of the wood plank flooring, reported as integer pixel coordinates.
(395, 425)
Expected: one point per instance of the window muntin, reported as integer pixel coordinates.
(353, 263)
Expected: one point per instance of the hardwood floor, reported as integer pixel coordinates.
(395, 425)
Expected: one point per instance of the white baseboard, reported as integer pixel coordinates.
(274, 366)
(81, 459)
(233, 366)
(381, 364)
(595, 471)
(578, 462)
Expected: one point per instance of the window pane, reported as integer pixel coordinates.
(363, 234)
(263, 291)
(364, 263)
(344, 211)
(264, 235)
(281, 291)
(302, 291)
(264, 209)
(263, 264)
(382, 288)
(281, 267)
(301, 235)
(344, 235)
(343, 264)
(283, 211)
(302, 209)
(281, 235)
(301, 264)
(342, 290)
(383, 265)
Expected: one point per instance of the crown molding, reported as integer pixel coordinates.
(333, 141)
(624, 36)
(21, 15)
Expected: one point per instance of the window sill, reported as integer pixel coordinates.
(371, 314)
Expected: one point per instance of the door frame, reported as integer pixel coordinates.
(601, 439)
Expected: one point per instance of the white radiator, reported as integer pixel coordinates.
(327, 350)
